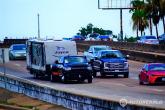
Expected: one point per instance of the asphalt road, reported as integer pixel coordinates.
(108, 88)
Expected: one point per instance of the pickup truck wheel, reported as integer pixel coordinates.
(90, 80)
(116, 76)
(102, 74)
(126, 75)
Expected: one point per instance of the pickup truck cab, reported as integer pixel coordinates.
(93, 51)
(110, 62)
(71, 68)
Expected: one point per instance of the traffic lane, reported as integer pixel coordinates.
(20, 65)
(135, 68)
(18, 68)
(107, 88)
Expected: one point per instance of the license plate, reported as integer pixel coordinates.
(116, 70)
(163, 79)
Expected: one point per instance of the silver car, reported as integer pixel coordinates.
(17, 51)
(148, 40)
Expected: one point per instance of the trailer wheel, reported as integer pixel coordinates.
(36, 76)
(31, 71)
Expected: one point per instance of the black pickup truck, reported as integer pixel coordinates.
(71, 68)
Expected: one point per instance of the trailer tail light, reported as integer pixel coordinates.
(56, 73)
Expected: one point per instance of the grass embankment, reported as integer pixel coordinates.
(15, 101)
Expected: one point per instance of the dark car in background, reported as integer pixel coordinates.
(17, 51)
(78, 38)
(162, 39)
(71, 68)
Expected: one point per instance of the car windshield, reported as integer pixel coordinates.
(96, 49)
(75, 60)
(150, 37)
(157, 67)
(19, 47)
(112, 54)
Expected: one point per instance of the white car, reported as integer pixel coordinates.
(93, 51)
(148, 40)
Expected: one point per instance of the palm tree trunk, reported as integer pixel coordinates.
(157, 34)
(150, 26)
(137, 33)
(163, 24)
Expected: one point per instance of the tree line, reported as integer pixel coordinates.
(89, 29)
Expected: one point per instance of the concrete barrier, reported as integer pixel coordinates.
(4, 55)
(67, 99)
(134, 54)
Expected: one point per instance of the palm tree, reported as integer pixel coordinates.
(154, 11)
(148, 7)
(162, 12)
(139, 17)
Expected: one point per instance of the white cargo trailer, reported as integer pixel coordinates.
(42, 54)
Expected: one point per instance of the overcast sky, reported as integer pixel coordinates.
(59, 18)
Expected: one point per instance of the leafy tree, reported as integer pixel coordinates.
(99, 31)
(154, 12)
(162, 12)
(89, 29)
(83, 31)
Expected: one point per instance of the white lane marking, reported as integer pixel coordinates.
(158, 90)
(118, 84)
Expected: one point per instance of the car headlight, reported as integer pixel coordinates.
(126, 65)
(67, 68)
(89, 68)
(105, 65)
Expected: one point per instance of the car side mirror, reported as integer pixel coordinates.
(144, 70)
(96, 58)
(91, 61)
(127, 56)
(56, 62)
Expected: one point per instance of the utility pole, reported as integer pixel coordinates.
(38, 26)
(121, 24)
